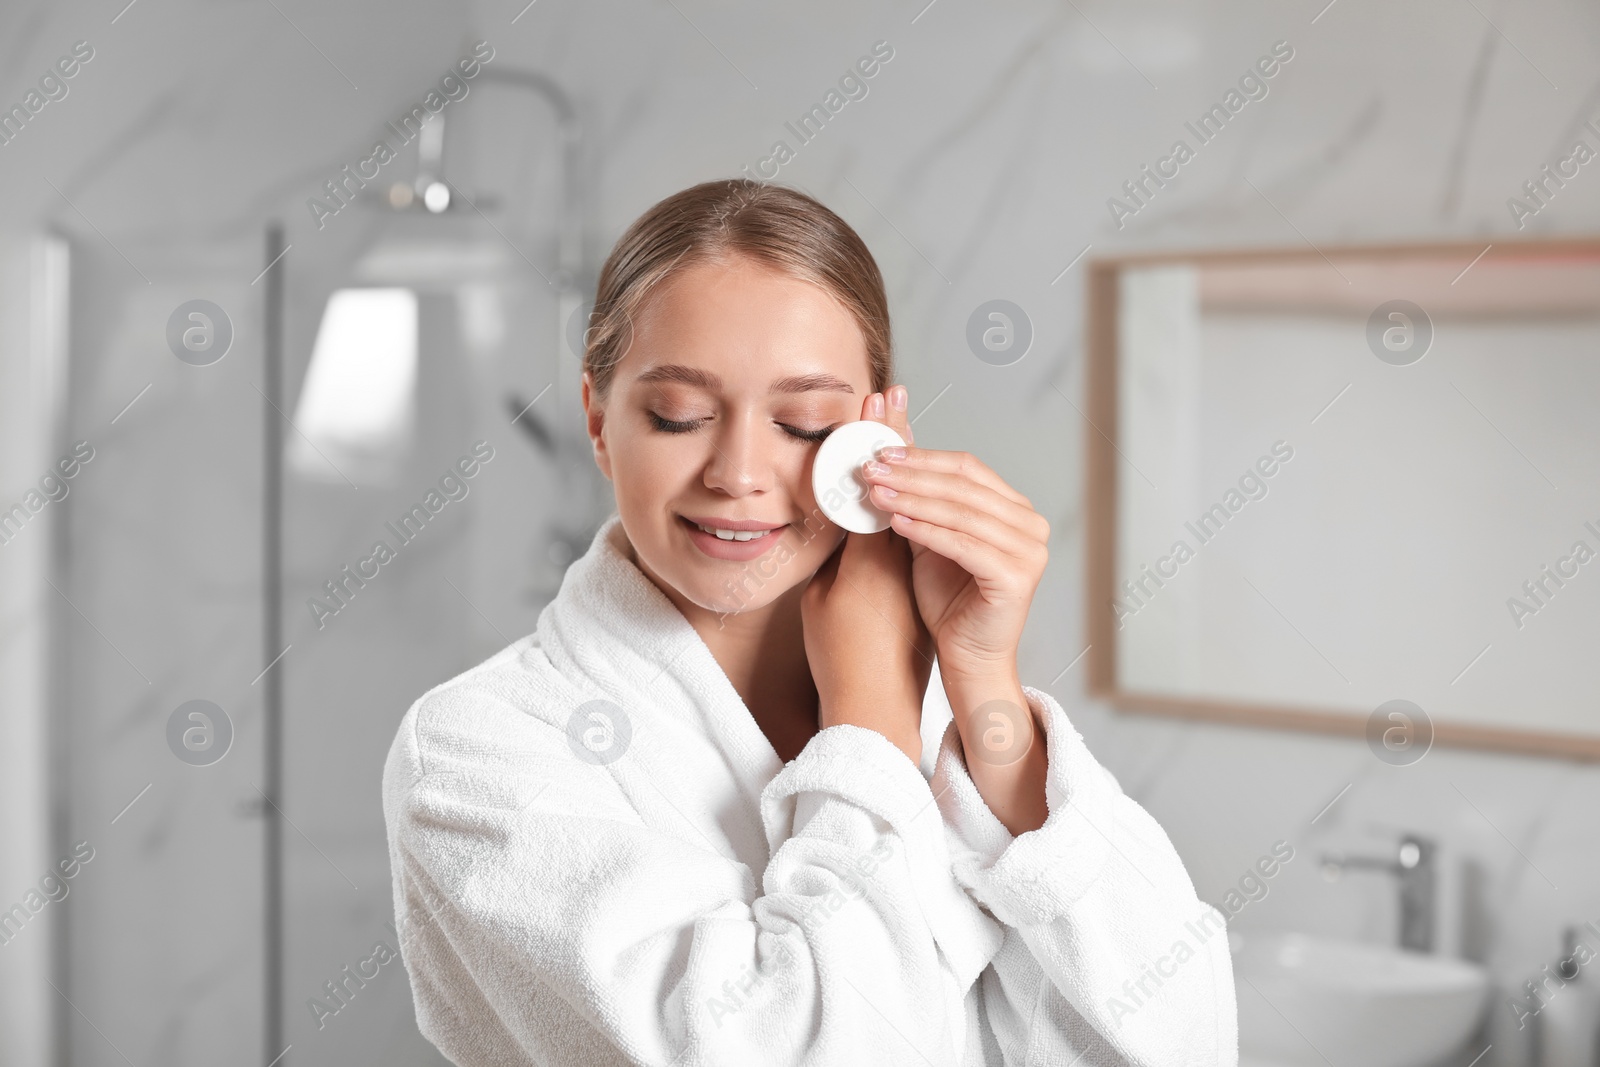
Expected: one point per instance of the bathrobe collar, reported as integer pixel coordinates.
(612, 633)
(650, 649)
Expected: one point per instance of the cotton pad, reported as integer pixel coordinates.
(836, 475)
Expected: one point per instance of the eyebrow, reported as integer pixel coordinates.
(798, 383)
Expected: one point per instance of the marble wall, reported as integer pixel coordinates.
(977, 162)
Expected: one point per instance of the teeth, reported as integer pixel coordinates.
(734, 535)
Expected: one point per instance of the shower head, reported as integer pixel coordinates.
(448, 247)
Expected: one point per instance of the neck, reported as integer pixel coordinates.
(761, 650)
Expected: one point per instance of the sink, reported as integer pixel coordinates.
(1317, 1001)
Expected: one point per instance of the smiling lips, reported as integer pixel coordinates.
(736, 539)
(747, 527)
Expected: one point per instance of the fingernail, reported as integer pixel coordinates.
(886, 491)
(873, 467)
(897, 397)
(891, 452)
(875, 404)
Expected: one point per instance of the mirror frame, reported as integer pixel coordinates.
(1100, 505)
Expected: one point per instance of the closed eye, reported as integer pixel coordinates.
(668, 426)
(690, 425)
(806, 435)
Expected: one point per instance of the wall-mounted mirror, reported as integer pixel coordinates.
(1323, 481)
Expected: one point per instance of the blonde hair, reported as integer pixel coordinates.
(716, 220)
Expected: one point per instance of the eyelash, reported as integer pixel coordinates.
(668, 426)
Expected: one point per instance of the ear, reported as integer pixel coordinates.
(594, 416)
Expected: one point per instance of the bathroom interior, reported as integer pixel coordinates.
(1341, 348)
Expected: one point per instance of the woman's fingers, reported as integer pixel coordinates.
(960, 463)
(878, 407)
(977, 522)
(959, 503)
(899, 416)
(979, 558)
(961, 490)
(954, 502)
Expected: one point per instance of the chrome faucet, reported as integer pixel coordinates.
(1414, 867)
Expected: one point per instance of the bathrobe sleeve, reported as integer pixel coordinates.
(546, 919)
(1109, 956)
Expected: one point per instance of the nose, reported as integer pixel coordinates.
(740, 462)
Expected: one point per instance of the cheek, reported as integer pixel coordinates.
(648, 465)
(810, 555)
(813, 538)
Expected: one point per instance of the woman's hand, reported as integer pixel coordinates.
(979, 550)
(869, 652)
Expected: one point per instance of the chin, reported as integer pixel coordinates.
(723, 602)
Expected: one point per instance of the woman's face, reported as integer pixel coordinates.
(734, 374)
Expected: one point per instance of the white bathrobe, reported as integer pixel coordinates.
(645, 881)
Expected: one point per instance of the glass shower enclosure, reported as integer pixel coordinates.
(359, 471)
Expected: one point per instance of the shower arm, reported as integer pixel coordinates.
(568, 278)
(569, 249)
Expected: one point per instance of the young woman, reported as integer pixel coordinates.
(687, 820)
